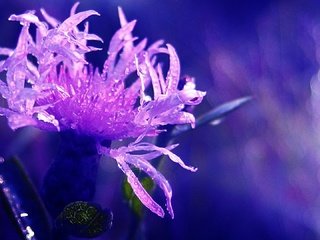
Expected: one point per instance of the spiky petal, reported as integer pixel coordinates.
(127, 155)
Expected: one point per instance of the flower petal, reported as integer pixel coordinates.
(144, 146)
(127, 155)
(137, 187)
(75, 19)
(173, 76)
(157, 177)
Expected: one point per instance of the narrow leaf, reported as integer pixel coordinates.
(22, 201)
(215, 116)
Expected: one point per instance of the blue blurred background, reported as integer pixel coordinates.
(258, 174)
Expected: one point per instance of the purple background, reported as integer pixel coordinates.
(258, 174)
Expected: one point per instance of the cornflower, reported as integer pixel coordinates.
(50, 85)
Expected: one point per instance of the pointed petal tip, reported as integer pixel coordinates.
(170, 209)
(160, 213)
(133, 22)
(171, 214)
(88, 13)
(120, 11)
(174, 145)
(194, 169)
(95, 13)
(11, 17)
(122, 17)
(52, 21)
(190, 168)
(74, 8)
(170, 47)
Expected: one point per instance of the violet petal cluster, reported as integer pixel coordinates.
(50, 85)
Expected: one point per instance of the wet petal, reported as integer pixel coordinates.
(134, 182)
(165, 151)
(140, 163)
(173, 76)
(75, 19)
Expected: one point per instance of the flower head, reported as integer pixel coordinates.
(50, 85)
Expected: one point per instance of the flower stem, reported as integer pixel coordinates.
(72, 175)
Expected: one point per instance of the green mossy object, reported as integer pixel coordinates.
(83, 219)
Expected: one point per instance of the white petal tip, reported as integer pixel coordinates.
(159, 212)
(194, 169)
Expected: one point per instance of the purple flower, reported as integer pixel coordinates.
(50, 85)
